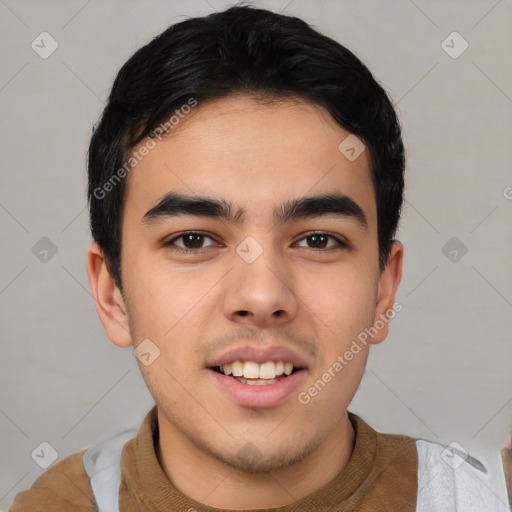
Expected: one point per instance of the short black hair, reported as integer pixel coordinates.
(240, 50)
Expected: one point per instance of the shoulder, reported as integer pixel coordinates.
(387, 467)
(392, 452)
(61, 488)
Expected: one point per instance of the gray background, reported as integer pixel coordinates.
(444, 373)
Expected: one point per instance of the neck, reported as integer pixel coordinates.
(214, 483)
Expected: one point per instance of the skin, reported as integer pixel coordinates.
(256, 155)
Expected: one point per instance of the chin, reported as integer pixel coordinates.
(251, 460)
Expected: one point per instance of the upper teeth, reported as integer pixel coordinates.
(252, 370)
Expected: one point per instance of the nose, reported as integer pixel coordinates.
(260, 292)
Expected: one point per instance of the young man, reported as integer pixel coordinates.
(245, 185)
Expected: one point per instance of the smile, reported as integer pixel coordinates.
(273, 384)
(253, 373)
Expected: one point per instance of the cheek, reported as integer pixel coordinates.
(329, 392)
(165, 299)
(344, 300)
(167, 308)
(349, 307)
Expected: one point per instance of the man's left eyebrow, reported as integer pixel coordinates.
(174, 204)
(316, 206)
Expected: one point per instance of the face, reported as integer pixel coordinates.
(259, 281)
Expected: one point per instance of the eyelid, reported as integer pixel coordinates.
(341, 242)
(172, 240)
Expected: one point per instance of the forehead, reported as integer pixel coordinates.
(253, 154)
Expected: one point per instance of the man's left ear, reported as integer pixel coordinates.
(388, 284)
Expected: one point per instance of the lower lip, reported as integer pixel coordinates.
(268, 395)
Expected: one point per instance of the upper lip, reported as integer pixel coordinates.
(258, 355)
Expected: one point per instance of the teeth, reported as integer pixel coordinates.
(260, 382)
(256, 382)
(251, 370)
(237, 368)
(266, 370)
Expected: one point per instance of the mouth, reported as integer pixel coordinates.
(254, 374)
(258, 386)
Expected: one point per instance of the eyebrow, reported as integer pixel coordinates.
(173, 204)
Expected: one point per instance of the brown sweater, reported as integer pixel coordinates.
(380, 476)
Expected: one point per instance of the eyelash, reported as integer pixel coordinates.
(168, 244)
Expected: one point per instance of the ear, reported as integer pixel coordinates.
(107, 298)
(388, 284)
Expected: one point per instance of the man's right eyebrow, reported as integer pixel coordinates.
(334, 204)
(173, 204)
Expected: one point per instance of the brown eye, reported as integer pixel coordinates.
(190, 242)
(321, 241)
